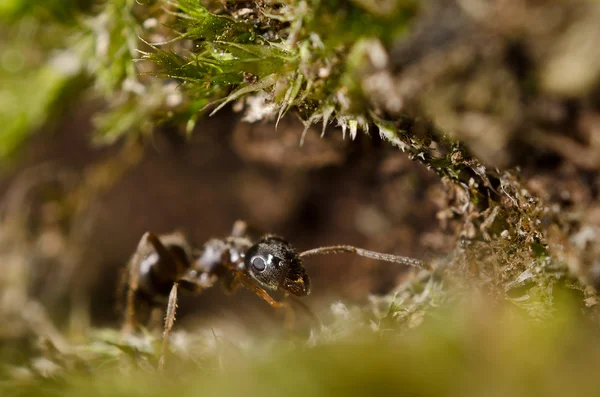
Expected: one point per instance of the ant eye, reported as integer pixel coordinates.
(259, 264)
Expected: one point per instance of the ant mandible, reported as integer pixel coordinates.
(163, 264)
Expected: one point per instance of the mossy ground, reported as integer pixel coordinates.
(473, 348)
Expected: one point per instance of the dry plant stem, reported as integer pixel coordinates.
(338, 249)
(169, 321)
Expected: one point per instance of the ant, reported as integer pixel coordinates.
(163, 264)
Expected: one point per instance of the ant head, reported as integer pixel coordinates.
(274, 264)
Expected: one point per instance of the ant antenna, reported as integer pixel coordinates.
(338, 249)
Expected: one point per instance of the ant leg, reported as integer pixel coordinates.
(133, 284)
(261, 292)
(147, 242)
(289, 319)
(305, 308)
(244, 230)
(290, 314)
(130, 319)
(122, 288)
(169, 321)
(230, 282)
(156, 319)
(240, 229)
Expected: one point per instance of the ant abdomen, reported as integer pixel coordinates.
(156, 276)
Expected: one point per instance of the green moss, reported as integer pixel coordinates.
(26, 101)
(63, 11)
(29, 92)
(466, 349)
(303, 55)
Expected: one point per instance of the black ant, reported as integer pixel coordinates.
(163, 264)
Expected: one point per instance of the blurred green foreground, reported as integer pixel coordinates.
(478, 349)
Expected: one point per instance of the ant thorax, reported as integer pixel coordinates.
(219, 255)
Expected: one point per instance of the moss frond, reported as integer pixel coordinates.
(309, 51)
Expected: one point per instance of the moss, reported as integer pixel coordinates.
(459, 349)
(303, 55)
(31, 92)
(63, 11)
